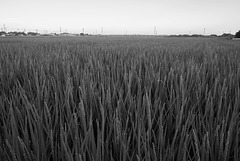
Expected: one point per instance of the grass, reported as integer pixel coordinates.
(119, 98)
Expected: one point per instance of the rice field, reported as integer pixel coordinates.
(119, 99)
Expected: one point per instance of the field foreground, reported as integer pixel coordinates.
(119, 98)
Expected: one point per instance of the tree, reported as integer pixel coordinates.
(227, 35)
(2, 33)
(237, 35)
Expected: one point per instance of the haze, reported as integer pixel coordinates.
(122, 16)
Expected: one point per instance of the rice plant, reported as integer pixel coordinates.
(119, 98)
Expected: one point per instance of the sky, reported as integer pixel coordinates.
(121, 16)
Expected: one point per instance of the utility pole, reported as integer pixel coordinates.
(83, 30)
(60, 30)
(204, 30)
(155, 31)
(4, 27)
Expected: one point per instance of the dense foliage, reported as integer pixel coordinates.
(237, 35)
(121, 99)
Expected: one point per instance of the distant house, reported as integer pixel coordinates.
(67, 34)
(32, 34)
(213, 35)
(12, 33)
(53, 34)
(227, 35)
